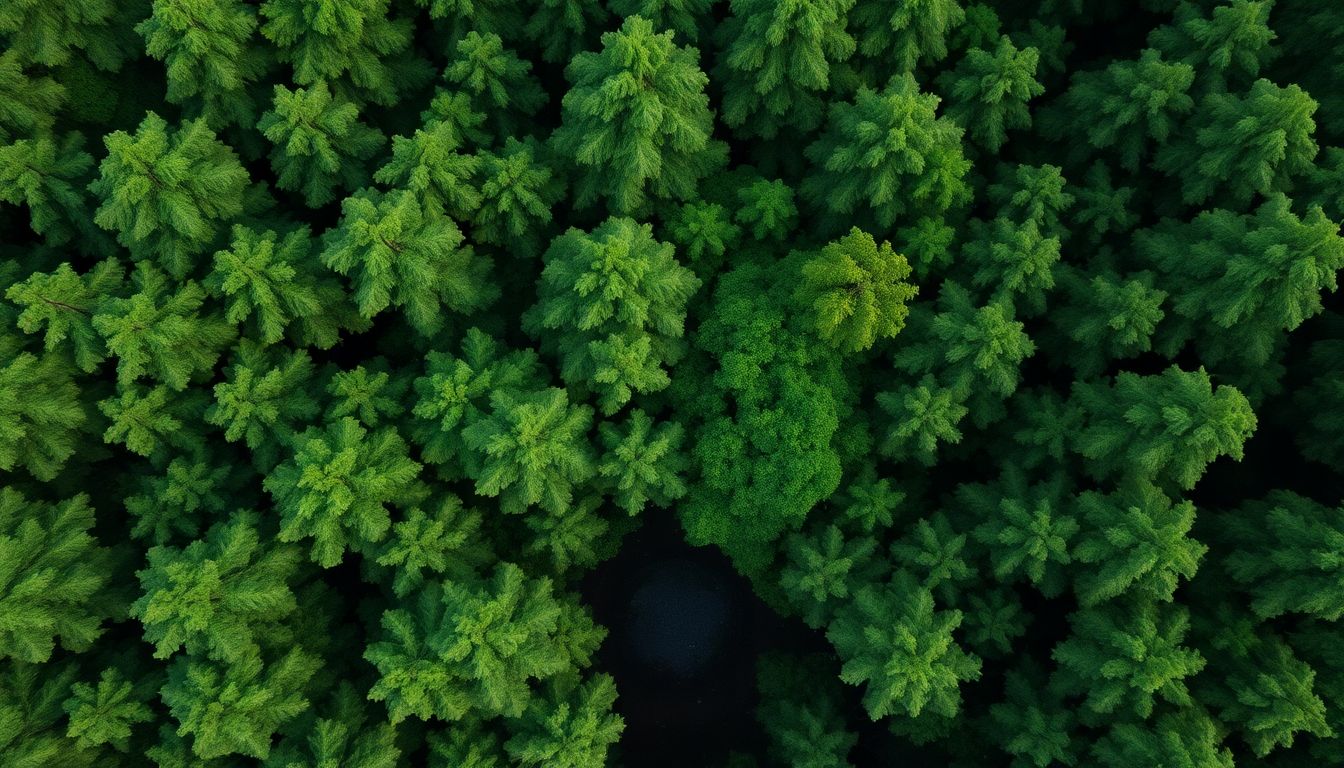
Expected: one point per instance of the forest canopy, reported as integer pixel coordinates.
(994, 343)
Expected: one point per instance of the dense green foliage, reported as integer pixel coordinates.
(993, 342)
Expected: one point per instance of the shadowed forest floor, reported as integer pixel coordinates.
(685, 632)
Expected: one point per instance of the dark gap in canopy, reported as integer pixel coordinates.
(685, 632)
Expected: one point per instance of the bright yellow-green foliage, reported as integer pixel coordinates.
(855, 288)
